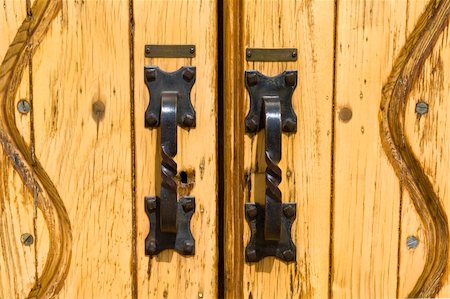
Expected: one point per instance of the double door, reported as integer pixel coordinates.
(237, 149)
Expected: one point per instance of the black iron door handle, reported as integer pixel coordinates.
(270, 224)
(169, 106)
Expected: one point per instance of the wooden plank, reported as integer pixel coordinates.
(367, 192)
(17, 212)
(365, 219)
(306, 156)
(82, 127)
(430, 140)
(170, 275)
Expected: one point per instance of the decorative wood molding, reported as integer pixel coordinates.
(31, 171)
(398, 149)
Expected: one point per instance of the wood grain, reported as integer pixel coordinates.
(81, 112)
(306, 156)
(170, 275)
(392, 118)
(428, 135)
(17, 262)
(34, 176)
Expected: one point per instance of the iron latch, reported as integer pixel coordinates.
(169, 106)
(271, 108)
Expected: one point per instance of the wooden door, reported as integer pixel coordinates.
(77, 165)
(367, 166)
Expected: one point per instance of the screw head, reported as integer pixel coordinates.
(27, 239)
(421, 108)
(188, 120)
(252, 79)
(188, 205)
(289, 125)
(147, 50)
(151, 203)
(150, 120)
(188, 75)
(150, 75)
(289, 211)
(251, 124)
(151, 246)
(248, 53)
(290, 79)
(412, 242)
(251, 211)
(288, 255)
(192, 50)
(23, 106)
(188, 247)
(294, 54)
(250, 253)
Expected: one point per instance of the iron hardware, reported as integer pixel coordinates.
(169, 51)
(270, 224)
(269, 54)
(169, 105)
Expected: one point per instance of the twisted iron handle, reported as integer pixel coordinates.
(272, 109)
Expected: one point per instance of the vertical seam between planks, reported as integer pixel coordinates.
(133, 154)
(333, 152)
(220, 150)
(397, 291)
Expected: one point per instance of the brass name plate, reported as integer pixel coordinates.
(169, 51)
(268, 54)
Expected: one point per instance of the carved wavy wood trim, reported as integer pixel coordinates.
(31, 171)
(398, 149)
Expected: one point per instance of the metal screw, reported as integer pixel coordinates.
(252, 211)
(192, 50)
(23, 106)
(294, 54)
(188, 205)
(288, 255)
(251, 255)
(252, 79)
(188, 74)
(289, 125)
(249, 54)
(421, 108)
(290, 79)
(188, 120)
(150, 120)
(412, 242)
(251, 124)
(150, 75)
(147, 50)
(188, 247)
(151, 203)
(27, 239)
(289, 211)
(152, 246)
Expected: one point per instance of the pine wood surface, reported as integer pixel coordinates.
(74, 169)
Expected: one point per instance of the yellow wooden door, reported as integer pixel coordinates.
(78, 162)
(366, 167)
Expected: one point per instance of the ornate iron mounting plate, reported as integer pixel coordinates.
(157, 240)
(159, 81)
(258, 247)
(259, 85)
